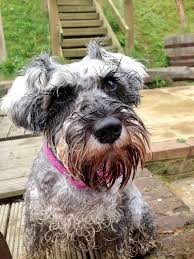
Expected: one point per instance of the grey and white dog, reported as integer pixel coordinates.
(80, 192)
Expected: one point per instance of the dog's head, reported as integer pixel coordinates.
(85, 110)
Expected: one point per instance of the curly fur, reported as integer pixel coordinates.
(68, 217)
(65, 102)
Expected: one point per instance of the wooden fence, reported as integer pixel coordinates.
(125, 23)
(180, 50)
(3, 53)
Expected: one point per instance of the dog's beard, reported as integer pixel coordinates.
(100, 165)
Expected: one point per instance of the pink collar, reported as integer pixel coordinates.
(61, 168)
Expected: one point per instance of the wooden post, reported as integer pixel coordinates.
(54, 28)
(45, 6)
(181, 13)
(128, 15)
(3, 52)
(101, 2)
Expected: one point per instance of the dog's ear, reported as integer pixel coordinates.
(23, 102)
(134, 73)
(132, 70)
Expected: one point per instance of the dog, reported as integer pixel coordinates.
(80, 192)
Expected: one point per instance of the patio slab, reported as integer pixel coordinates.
(168, 113)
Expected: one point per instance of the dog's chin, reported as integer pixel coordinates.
(100, 165)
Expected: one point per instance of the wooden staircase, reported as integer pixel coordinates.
(80, 22)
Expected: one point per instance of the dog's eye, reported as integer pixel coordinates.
(64, 94)
(109, 85)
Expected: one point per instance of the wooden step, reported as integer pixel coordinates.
(78, 16)
(74, 2)
(13, 229)
(4, 213)
(99, 31)
(81, 23)
(82, 42)
(80, 52)
(76, 9)
(13, 175)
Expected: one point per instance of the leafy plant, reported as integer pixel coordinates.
(158, 82)
(26, 29)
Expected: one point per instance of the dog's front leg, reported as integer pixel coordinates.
(139, 236)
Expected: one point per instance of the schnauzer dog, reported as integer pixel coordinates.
(80, 192)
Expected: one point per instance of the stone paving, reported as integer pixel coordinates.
(173, 218)
(168, 113)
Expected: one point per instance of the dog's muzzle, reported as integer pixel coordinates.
(107, 130)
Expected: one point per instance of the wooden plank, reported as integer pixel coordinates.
(12, 187)
(97, 254)
(79, 52)
(79, 254)
(174, 73)
(110, 32)
(17, 156)
(122, 24)
(9, 130)
(181, 12)
(72, 60)
(55, 32)
(15, 236)
(182, 62)
(78, 16)
(178, 40)
(179, 52)
(80, 42)
(15, 163)
(81, 23)
(129, 20)
(4, 214)
(84, 32)
(5, 125)
(3, 52)
(73, 253)
(76, 9)
(74, 2)
(15, 233)
(92, 255)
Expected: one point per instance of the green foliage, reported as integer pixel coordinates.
(114, 25)
(26, 30)
(181, 140)
(158, 82)
(153, 21)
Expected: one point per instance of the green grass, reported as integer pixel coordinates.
(26, 30)
(153, 21)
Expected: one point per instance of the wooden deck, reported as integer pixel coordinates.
(15, 162)
(12, 227)
(18, 150)
(17, 153)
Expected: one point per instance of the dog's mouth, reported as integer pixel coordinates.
(102, 166)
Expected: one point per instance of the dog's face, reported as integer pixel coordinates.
(85, 110)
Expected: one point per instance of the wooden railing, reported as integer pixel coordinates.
(125, 23)
(3, 52)
(55, 28)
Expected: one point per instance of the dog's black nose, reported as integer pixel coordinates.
(107, 130)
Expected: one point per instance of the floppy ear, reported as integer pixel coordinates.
(23, 102)
(132, 70)
(134, 73)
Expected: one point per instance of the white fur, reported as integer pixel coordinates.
(97, 66)
(17, 91)
(128, 63)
